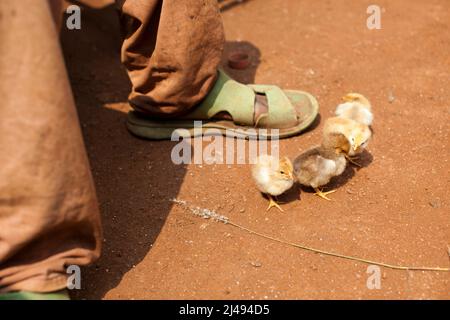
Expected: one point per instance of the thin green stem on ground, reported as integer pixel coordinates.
(210, 214)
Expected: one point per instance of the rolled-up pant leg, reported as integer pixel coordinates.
(172, 50)
(49, 217)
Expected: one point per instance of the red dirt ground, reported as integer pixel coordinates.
(394, 210)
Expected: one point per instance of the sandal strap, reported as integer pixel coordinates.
(228, 95)
(281, 113)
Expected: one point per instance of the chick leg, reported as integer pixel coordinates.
(278, 201)
(322, 194)
(352, 160)
(273, 203)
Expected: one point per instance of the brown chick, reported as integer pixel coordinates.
(357, 135)
(273, 177)
(315, 167)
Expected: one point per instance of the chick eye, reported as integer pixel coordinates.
(282, 172)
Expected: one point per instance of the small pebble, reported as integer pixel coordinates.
(435, 203)
(391, 97)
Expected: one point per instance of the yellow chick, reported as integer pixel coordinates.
(355, 107)
(357, 134)
(273, 177)
(315, 167)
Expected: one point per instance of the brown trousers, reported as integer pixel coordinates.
(49, 215)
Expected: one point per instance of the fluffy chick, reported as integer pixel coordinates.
(273, 177)
(315, 167)
(355, 107)
(357, 135)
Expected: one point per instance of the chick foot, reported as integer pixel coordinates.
(322, 194)
(352, 160)
(273, 203)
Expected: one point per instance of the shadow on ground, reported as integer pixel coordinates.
(133, 195)
(132, 192)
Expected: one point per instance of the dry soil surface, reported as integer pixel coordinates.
(396, 209)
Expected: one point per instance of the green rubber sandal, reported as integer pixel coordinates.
(290, 111)
(27, 295)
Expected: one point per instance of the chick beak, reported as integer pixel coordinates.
(347, 98)
(357, 144)
(291, 175)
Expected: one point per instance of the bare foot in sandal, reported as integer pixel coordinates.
(231, 108)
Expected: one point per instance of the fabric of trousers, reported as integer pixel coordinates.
(49, 216)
